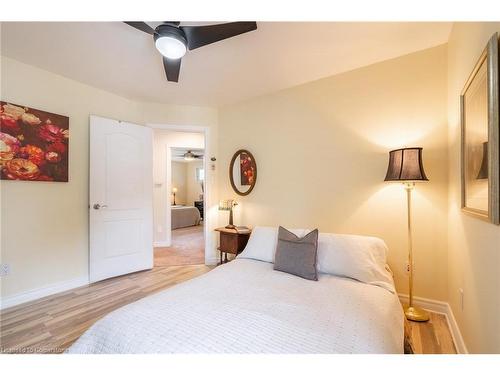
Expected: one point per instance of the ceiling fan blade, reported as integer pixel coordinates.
(143, 26)
(172, 68)
(199, 36)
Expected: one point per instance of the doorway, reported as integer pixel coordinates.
(179, 196)
(186, 209)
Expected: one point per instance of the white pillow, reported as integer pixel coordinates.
(263, 241)
(358, 257)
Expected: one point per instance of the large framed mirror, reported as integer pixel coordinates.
(479, 104)
(243, 172)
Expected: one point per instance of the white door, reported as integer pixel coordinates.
(120, 198)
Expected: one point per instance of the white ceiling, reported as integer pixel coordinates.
(120, 59)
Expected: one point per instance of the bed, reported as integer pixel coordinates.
(247, 307)
(184, 216)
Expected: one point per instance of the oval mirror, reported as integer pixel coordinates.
(243, 172)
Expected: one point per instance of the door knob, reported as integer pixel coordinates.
(98, 206)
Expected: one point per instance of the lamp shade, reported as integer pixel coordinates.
(405, 164)
(227, 204)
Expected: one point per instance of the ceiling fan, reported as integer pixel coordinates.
(173, 41)
(189, 155)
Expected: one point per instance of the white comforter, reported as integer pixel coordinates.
(247, 307)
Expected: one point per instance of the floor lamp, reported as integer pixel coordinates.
(405, 165)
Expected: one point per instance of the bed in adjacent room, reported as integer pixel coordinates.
(245, 306)
(184, 216)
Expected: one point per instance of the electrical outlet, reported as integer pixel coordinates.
(4, 269)
(461, 291)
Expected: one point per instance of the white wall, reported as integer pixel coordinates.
(44, 225)
(164, 141)
(322, 151)
(474, 245)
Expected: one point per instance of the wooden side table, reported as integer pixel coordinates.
(232, 241)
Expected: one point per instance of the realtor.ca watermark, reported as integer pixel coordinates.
(31, 350)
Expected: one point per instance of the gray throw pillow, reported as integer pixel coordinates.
(295, 255)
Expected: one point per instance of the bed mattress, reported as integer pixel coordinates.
(184, 216)
(246, 307)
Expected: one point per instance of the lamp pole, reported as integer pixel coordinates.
(412, 313)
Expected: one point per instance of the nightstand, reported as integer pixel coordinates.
(232, 241)
(199, 206)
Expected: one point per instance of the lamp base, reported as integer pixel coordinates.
(415, 314)
(230, 226)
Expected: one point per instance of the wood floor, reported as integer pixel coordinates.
(432, 337)
(51, 324)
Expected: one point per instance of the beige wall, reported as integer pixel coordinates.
(184, 179)
(45, 225)
(474, 245)
(322, 152)
(193, 185)
(179, 181)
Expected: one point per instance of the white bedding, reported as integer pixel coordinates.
(246, 307)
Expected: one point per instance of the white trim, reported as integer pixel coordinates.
(45, 291)
(443, 308)
(161, 244)
(455, 332)
(426, 303)
(211, 261)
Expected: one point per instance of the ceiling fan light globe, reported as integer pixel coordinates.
(170, 47)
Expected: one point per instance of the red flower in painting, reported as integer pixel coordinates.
(21, 169)
(9, 125)
(33, 153)
(51, 133)
(57, 147)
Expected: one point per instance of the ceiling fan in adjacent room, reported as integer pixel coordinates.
(187, 155)
(173, 40)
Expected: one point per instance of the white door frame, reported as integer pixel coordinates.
(205, 130)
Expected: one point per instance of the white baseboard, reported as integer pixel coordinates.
(161, 244)
(455, 332)
(444, 308)
(45, 291)
(426, 303)
(211, 261)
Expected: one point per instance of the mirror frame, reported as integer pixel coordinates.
(490, 57)
(231, 166)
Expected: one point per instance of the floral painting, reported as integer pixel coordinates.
(247, 169)
(33, 144)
